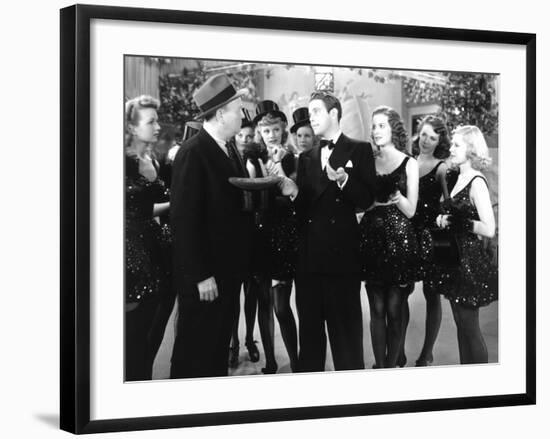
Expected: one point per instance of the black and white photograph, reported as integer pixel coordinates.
(268, 220)
(296, 218)
(283, 218)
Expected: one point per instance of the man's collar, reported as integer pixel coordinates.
(336, 136)
(210, 130)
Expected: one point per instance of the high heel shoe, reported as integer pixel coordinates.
(423, 361)
(270, 369)
(253, 351)
(402, 360)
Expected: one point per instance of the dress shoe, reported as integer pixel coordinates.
(253, 352)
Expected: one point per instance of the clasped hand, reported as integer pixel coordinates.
(339, 176)
(274, 168)
(393, 199)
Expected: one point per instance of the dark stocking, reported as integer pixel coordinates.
(250, 305)
(375, 293)
(235, 328)
(394, 306)
(459, 335)
(473, 349)
(285, 316)
(266, 320)
(405, 314)
(433, 322)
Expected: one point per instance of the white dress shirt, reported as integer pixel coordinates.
(326, 152)
(325, 155)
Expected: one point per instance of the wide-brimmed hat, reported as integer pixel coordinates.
(300, 117)
(215, 93)
(268, 107)
(191, 128)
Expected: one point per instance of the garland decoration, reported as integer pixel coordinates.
(466, 99)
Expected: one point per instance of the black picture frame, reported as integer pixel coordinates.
(75, 217)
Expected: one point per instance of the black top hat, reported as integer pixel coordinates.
(191, 128)
(215, 93)
(268, 107)
(301, 118)
(246, 121)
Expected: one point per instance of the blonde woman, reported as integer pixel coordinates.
(469, 214)
(149, 298)
(272, 136)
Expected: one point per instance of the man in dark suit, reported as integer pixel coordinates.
(211, 234)
(334, 180)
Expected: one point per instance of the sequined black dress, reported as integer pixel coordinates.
(389, 244)
(427, 210)
(474, 282)
(429, 196)
(275, 236)
(148, 259)
(284, 234)
(149, 293)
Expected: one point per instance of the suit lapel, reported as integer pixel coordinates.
(342, 152)
(238, 159)
(320, 180)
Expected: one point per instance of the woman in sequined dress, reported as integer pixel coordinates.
(469, 214)
(272, 135)
(431, 149)
(389, 243)
(149, 299)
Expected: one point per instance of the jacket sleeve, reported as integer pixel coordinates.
(301, 178)
(189, 219)
(360, 187)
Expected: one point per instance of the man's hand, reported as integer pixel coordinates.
(208, 290)
(339, 176)
(288, 187)
(441, 221)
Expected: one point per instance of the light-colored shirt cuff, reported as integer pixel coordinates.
(341, 186)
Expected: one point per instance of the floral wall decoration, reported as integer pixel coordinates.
(466, 99)
(177, 90)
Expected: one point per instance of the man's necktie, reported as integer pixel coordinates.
(236, 160)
